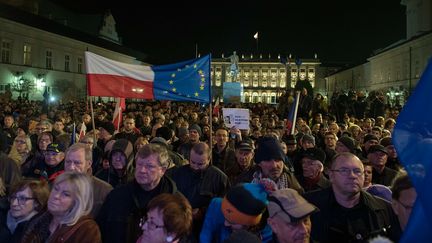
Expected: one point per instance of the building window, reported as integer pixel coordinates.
(27, 55)
(311, 74)
(79, 64)
(254, 97)
(264, 84)
(255, 74)
(273, 98)
(273, 83)
(247, 97)
(264, 98)
(67, 63)
(255, 83)
(246, 83)
(302, 74)
(48, 59)
(6, 49)
(273, 74)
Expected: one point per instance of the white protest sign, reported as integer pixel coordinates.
(236, 117)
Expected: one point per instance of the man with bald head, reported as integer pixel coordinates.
(347, 213)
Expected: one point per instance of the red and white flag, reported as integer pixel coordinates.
(83, 130)
(118, 113)
(216, 108)
(109, 78)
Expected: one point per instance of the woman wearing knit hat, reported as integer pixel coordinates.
(244, 207)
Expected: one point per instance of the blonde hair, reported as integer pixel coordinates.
(14, 155)
(82, 194)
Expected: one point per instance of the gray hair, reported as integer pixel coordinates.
(159, 150)
(88, 153)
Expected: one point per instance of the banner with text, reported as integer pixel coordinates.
(236, 117)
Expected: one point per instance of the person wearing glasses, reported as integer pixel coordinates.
(41, 127)
(37, 153)
(53, 164)
(27, 199)
(125, 205)
(168, 219)
(348, 213)
(20, 149)
(67, 216)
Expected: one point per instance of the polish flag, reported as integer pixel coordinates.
(216, 108)
(118, 113)
(82, 132)
(109, 78)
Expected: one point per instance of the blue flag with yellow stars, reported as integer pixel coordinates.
(412, 137)
(184, 81)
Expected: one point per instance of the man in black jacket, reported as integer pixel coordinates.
(123, 208)
(348, 214)
(200, 182)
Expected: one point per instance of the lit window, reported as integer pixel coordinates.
(79, 64)
(6, 50)
(27, 55)
(48, 59)
(67, 63)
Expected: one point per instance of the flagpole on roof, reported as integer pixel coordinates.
(256, 37)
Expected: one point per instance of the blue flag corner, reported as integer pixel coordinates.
(412, 137)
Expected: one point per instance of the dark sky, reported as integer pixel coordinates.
(337, 30)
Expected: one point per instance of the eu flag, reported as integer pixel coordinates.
(184, 81)
(412, 137)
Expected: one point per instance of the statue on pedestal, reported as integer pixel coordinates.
(234, 68)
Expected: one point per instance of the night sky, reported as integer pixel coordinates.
(338, 31)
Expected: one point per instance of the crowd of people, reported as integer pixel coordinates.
(173, 172)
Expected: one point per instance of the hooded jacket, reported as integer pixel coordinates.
(119, 177)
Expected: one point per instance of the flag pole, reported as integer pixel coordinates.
(210, 109)
(93, 121)
(73, 137)
(295, 112)
(119, 116)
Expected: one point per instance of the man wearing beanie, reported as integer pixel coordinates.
(106, 132)
(345, 144)
(243, 207)
(368, 141)
(269, 159)
(381, 174)
(312, 178)
(194, 138)
(392, 159)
